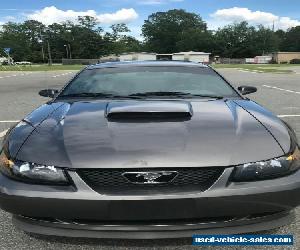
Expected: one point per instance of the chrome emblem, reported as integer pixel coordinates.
(153, 177)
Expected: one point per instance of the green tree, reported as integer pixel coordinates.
(29, 40)
(266, 41)
(236, 41)
(280, 34)
(117, 41)
(88, 22)
(33, 31)
(167, 32)
(291, 40)
(12, 36)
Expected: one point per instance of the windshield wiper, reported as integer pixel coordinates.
(207, 96)
(86, 95)
(140, 95)
(95, 95)
(158, 93)
(175, 94)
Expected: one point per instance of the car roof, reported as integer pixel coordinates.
(145, 64)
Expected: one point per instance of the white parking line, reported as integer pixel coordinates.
(252, 71)
(9, 121)
(3, 133)
(286, 90)
(288, 116)
(64, 74)
(15, 75)
(245, 71)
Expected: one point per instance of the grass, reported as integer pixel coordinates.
(259, 68)
(40, 67)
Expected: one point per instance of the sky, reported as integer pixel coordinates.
(217, 13)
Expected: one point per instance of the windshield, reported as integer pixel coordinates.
(149, 81)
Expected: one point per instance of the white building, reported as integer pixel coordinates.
(137, 56)
(262, 59)
(259, 59)
(250, 60)
(192, 56)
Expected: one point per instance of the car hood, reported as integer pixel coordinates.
(215, 133)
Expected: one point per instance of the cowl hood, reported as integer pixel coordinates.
(215, 133)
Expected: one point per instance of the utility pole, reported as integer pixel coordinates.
(49, 54)
(41, 42)
(66, 46)
(69, 46)
(43, 53)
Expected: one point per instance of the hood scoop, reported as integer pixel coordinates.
(149, 110)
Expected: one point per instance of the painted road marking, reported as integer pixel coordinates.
(286, 90)
(253, 71)
(28, 73)
(64, 74)
(3, 133)
(10, 121)
(288, 115)
(15, 75)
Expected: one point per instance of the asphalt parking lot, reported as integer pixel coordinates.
(19, 95)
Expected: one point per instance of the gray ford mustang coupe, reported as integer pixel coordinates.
(149, 150)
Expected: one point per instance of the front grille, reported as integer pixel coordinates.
(112, 181)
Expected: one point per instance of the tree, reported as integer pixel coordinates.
(280, 34)
(168, 32)
(164, 32)
(117, 29)
(266, 41)
(291, 40)
(88, 22)
(13, 36)
(85, 38)
(33, 31)
(118, 42)
(236, 41)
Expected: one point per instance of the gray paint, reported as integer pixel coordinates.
(220, 133)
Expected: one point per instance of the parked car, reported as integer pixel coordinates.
(149, 150)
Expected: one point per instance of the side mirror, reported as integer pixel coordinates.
(48, 92)
(245, 90)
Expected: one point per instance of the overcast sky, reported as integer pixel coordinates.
(217, 13)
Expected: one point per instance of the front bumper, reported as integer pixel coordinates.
(79, 211)
(152, 231)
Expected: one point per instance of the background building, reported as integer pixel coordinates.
(259, 59)
(192, 56)
(285, 57)
(137, 56)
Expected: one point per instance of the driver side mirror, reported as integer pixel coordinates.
(245, 90)
(48, 92)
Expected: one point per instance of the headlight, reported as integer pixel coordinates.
(31, 172)
(268, 169)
